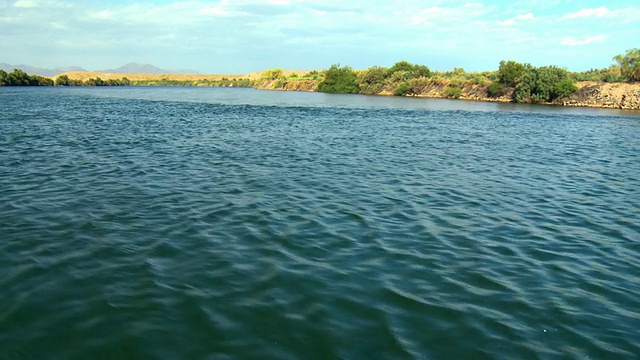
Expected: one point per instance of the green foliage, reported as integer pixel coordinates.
(371, 80)
(564, 87)
(510, 72)
(543, 84)
(313, 75)
(62, 80)
(610, 74)
(339, 80)
(412, 71)
(496, 89)
(273, 74)
(403, 89)
(96, 82)
(20, 78)
(453, 92)
(629, 64)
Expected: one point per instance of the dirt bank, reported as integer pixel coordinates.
(589, 94)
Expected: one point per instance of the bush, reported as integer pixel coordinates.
(453, 92)
(62, 80)
(339, 80)
(496, 89)
(403, 89)
(543, 84)
(563, 88)
(412, 71)
(273, 74)
(372, 80)
(510, 72)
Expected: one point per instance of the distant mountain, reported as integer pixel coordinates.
(131, 68)
(31, 70)
(135, 68)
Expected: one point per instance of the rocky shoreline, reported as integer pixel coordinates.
(625, 96)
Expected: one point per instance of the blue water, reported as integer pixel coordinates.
(212, 223)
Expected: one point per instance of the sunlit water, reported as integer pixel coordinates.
(234, 223)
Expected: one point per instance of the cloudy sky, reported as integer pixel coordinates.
(239, 36)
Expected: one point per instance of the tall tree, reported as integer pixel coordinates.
(629, 64)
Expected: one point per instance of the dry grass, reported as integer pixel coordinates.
(86, 75)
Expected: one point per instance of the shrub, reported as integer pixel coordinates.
(372, 80)
(403, 89)
(412, 71)
(273, 74)
(339, 80)
(453, 92)
(562, 88)
(496, 89)
(543, 84)
(510, 72)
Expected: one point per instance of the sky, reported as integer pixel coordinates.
(237, 37)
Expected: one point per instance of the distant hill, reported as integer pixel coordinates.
(131, 68)
(31, 70)
(135, 68)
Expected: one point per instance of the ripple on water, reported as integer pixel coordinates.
(136, 223)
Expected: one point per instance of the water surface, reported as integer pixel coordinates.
(236, 223)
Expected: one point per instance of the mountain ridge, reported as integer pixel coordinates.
(130, 68)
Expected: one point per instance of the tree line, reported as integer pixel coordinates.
(524, 82)
(521, 81)
(20, 78)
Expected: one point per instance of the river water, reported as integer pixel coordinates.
(210, 223)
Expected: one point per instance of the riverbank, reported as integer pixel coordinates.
(588, 94)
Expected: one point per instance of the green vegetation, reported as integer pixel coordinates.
(372, 80)
(20, 78)
(629, 64)
(543, 84)
(523, 82)
(510, 72)
(496, 89)
(408, 70)
(339, 80)
(453, 91)
(273, 74)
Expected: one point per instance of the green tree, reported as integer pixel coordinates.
(510, 72)
(273, 74)
(18, 78)
(629, 64)
(62, 80)
(339, 80)
(543, 84)
(372, 80)
(412, 70)
(4, 78)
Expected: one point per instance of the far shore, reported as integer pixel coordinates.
(588, 94)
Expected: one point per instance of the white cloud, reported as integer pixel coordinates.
(217, 11)
(597, 12)
(443, 14)
(512, 21)
(25, 4)
(570, 41)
